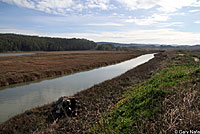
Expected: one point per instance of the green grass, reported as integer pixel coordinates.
(144, 102)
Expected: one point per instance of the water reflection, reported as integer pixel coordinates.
(15, 54)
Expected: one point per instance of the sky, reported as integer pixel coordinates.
(123, 21)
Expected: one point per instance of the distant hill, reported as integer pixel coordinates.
(153, 46)
(15, 42)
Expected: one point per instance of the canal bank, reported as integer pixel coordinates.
(18, 99)
(93, 101)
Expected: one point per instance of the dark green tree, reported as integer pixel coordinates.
(14, 42)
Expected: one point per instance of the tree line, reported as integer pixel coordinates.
(14, 42)
(111, 47)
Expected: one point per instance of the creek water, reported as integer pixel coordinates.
(19, 99)
(15, 54)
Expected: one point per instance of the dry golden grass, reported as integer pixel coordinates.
(18, 69)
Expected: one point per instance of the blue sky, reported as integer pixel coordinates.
(124, 21)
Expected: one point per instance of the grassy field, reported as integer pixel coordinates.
(166, 102)
(19, 69)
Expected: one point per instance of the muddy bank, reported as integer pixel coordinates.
(93, 102)
(19, 69)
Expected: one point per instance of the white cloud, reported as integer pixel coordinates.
(55, 4)
(155, 18)
(79, 7)
(170, 24)
(197, 22)
(102, 4)
(157, 36)
(160, 36)
(139, 4)
(64, 6)
(173, 5)
(22, 3)
(194, 11)
(162, 5)
(105, 24)
(49, 6)
(196, 4)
